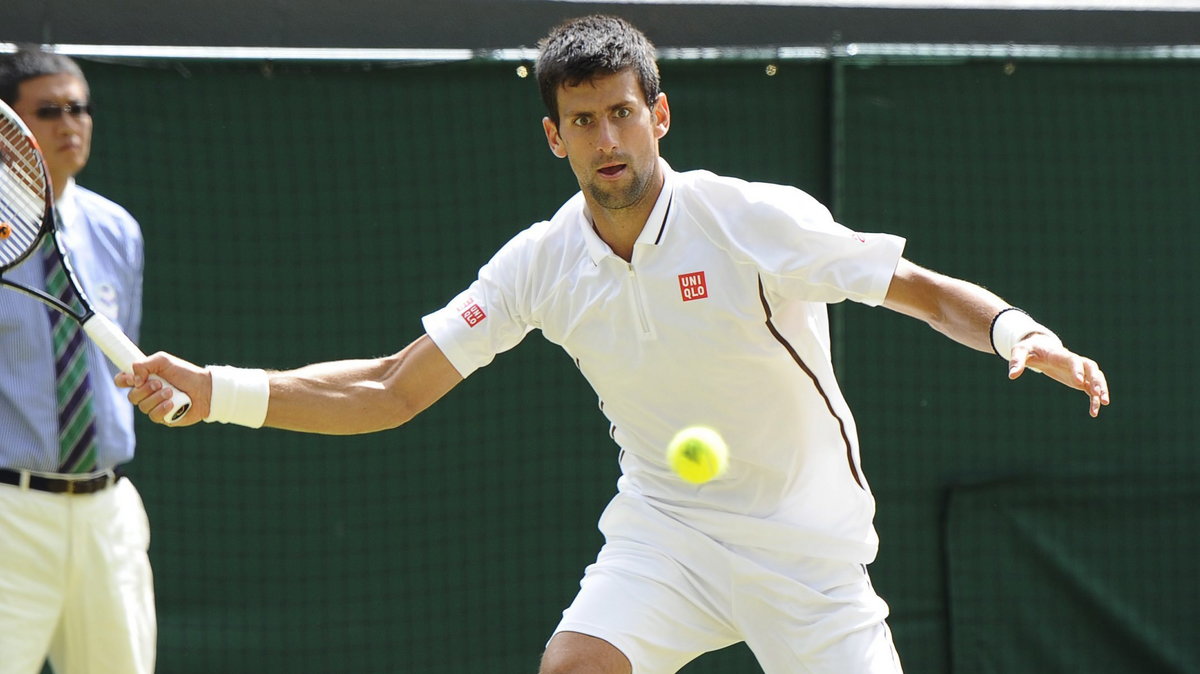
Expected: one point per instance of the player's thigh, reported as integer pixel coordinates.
(865, 651)
(33, 548)
(656, 612)
(822, 617)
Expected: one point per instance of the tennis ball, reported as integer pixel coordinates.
(698, 454)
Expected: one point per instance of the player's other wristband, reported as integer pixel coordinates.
(1012, 325)
(239, 396)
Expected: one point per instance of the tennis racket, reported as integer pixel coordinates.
(27, 217)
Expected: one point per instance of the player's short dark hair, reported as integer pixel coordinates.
(593, 46)
(29, 62)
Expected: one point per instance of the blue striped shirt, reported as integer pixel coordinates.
(104, 244)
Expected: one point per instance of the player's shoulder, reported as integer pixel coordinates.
(739, 197)
(551, 246)
(735, 213)
(559, 232)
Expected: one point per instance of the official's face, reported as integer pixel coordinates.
(50, 105)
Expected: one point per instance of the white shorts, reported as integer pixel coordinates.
(75, 582)
(663, 594)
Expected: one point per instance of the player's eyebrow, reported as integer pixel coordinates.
(628, 102)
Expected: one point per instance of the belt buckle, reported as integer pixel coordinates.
(90, 485)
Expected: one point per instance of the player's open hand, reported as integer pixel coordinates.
(153, 396)
(1046, 354)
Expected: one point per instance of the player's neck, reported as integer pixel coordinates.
(621, 227)
(619, 233)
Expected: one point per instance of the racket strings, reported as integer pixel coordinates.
(22, 193)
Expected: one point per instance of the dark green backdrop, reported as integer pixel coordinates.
(303, 212)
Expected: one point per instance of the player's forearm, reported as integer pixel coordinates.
(958, 309)
(336, 398)
(360, 396)
(966, 313)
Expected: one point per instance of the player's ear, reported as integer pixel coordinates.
(552, 137)
(662, 115)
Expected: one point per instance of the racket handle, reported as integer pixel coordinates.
(123, 352)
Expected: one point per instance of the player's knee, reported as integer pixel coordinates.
(558, 664)
(573, 653)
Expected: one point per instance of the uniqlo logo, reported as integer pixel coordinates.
(692, 286)
(473, 315)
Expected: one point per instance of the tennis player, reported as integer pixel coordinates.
(684, 298)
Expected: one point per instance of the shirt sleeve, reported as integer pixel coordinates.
(489, 317)
(804, 254)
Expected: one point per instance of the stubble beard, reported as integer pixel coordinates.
(617, 198)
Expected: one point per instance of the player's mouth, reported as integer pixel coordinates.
(612, 170)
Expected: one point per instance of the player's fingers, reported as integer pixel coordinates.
(1017, 361)
(139, 393)
(1098, 380)
(148, 396)
(158, 414)
(139, 374)
(1096, 386)
(1083, 369)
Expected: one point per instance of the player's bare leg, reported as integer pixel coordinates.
(575, 653)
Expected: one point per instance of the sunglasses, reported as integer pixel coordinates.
(48, 113)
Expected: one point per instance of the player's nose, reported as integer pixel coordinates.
(606, 136)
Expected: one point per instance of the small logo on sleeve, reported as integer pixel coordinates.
(693, 286)
(471, 312)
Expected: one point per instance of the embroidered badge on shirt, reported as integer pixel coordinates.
(692, 286)
(473, 313)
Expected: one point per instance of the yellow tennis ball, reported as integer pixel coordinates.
(698, 454)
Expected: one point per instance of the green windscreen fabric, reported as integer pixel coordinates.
(1068, 188)
(1089, 575)
(301, 212)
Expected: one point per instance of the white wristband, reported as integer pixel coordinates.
(1011, 326)
(239, 396)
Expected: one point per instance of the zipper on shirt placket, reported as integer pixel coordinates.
(639, 305)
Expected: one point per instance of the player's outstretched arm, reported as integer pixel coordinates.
(967, 313)
(337, 398)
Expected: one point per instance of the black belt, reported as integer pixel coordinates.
(57, 485)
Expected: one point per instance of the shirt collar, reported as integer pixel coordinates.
(66, 204)
(652, 231)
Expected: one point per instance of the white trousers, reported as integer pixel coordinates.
(663, 594)
(75, 582)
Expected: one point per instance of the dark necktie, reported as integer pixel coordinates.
(76, 409)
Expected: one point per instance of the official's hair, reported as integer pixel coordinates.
(593, 46)
(29, 62)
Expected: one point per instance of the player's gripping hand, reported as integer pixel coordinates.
(1046, 354)
(152, 396)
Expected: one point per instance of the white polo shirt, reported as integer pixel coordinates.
(720, 319)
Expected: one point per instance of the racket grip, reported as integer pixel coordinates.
(123, 352)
